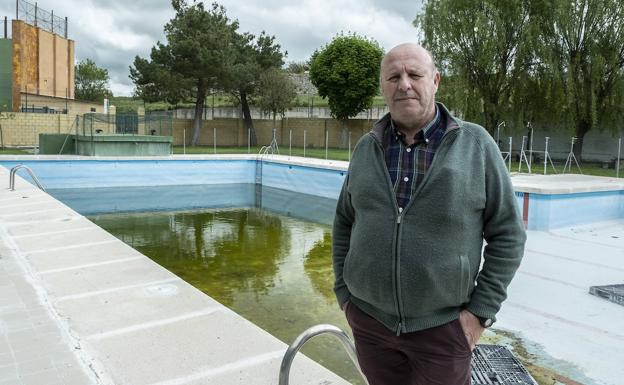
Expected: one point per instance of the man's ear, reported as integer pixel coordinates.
(436, 80)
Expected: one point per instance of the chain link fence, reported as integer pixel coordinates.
(38, 17)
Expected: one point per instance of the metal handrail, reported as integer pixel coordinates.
(32, 175)
(307, 335)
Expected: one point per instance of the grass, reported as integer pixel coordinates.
(332, 153)
(338, 154)
(586, 168)
(13, 151)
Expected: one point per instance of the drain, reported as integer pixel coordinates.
(493, 364)
(613, 293)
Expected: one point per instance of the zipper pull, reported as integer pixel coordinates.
(399, 219)
(398, 333)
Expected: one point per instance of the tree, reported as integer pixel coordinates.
(91, 81)
(251, 57)
(346, 72)
(583, 50)
(484, 48)
(275, 92)
(295, 67)
(195, 58)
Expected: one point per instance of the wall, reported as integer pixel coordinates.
(43, 63)
(6, 75)
(231, 132)
(23, 129)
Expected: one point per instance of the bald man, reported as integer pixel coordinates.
(423, 192)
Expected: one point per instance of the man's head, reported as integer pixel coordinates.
(409, 81)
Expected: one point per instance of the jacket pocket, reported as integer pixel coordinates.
(431, 285)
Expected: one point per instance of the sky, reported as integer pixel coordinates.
(113, 32)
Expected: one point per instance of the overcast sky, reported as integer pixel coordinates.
(113, 32)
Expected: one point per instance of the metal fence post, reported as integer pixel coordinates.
(184, 140)
(214, 139)
(617, 168)
(289, 143)
(546, 155)
(326, 142)
(304, 143)
(249, 140)
(349, 156)
(509, 160)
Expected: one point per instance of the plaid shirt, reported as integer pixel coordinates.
(408, 165)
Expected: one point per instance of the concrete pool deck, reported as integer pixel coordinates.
(77, 306)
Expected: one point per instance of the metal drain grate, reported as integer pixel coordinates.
(493, 364)
(613, 293)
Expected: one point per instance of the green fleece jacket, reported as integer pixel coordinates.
(418, 269)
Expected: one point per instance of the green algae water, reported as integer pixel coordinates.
(274, 270)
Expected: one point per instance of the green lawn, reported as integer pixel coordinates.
(332, 153)
(13, 151)
(337, 154)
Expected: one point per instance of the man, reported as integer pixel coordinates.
(423, 191)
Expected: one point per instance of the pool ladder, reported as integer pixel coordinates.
(307, 335)
(32, 175)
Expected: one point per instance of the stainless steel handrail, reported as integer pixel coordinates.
(307, 335)
(32, 175)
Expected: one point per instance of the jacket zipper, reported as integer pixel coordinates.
(397, 241)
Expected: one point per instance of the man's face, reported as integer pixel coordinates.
(409, 82)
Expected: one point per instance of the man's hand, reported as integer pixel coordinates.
(471, 326)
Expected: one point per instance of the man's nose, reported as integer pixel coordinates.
(404, 83)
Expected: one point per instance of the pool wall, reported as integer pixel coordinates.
(561, 201)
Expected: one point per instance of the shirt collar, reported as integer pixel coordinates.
(426, 131)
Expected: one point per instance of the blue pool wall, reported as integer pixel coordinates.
(544, 211)
(565, 210)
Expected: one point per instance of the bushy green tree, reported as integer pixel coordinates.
(346, 72)
(583, 56)
(484, 49)
(251, 57)
(276, 92)
(91, 81)
(196, 57)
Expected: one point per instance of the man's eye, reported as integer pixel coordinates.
(393, 78)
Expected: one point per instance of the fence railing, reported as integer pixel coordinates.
(38, 17)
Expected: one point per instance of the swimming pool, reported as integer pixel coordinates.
(545, 202)
(336, 169)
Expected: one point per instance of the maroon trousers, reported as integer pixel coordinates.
(435, 356)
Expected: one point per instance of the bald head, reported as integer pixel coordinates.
(410, 49)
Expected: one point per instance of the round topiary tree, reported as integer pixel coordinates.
(346, 72)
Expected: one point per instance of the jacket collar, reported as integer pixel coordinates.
(380, 126)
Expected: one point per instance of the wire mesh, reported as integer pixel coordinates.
(613, 293)
(493, 364)
(157, 123)
(38, 17)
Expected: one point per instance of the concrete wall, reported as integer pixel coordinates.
(23, 129)
(232, 132)
(43, 63)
